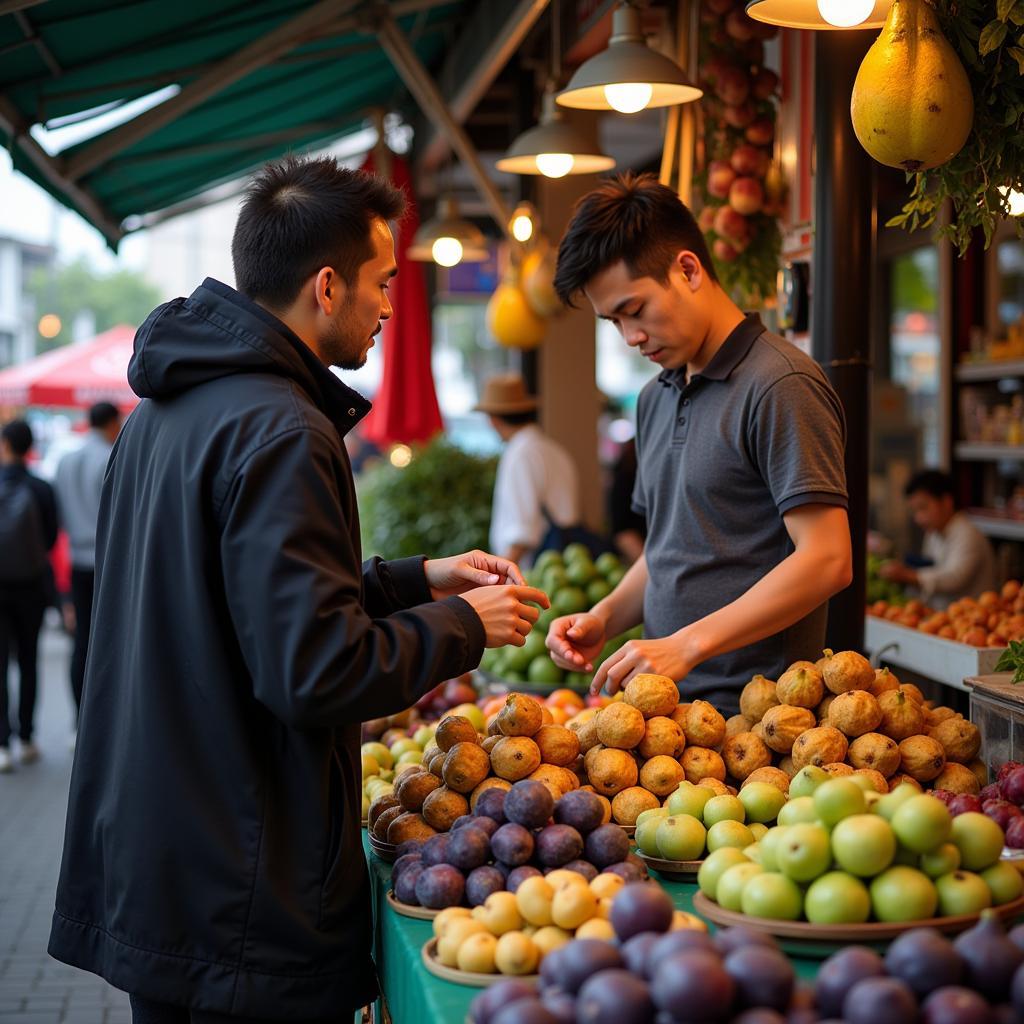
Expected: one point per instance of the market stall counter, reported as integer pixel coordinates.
(413, 995)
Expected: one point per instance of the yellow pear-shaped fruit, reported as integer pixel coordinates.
(510, 318)
(539, 282)
(912, 105)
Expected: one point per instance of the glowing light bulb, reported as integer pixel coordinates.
(1014, 198)
(554, 165)
(845, 13)
(446, 251)
(49, 325)
(401, 456)
(522, 228)
(628, 97)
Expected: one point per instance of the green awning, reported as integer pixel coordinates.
(318, 72)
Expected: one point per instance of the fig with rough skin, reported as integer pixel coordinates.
(454, 729)
(521, 715)
(661, 736)
(782, 726)
(854, 713)
(629, 804)
(819, 746)
(957, 778)
(737, 724)
(848, 670)
(717, 786)
(900, 777)
(558, 745)
(837, 769)
(586, 732)
(558, 780)
(409, 826)
(773, 776)
(384, 819)
(883, 682)
(381, 804)
(922, 758)
(465, 766)
(442, 807)
(412, 788)
(901, 715)
(933, 716)
(914, 693)
(801, 686)
(515, 757)
(873, 750)
(960, 739)
(700, 763)
(661, 775)
(757, 697)
(620, 725)
(878, 781)
(612, 770)
(821, 711)
(744, 754)
(652, 695)
(705, 725)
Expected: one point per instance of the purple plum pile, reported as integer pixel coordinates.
(511, 836)
(740, 976)
(1002, 801)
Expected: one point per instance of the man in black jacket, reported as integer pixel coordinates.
(212, 860)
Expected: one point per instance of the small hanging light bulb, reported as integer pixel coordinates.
(628, 97)
(845, 13)
(555, 165)
(447, 251)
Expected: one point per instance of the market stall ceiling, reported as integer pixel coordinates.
(315, 69)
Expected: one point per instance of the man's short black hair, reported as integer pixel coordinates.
(632, 218)
(517, 419)
(102, 414)
(931, 481)
(18, 434)
(303, 214)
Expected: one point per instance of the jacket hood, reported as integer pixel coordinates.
(218, 332)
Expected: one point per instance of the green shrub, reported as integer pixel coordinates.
(440, 504)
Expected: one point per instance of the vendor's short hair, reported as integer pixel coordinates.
(303, 214)
(18, 434)
(102, 414)
(632, 218)
(931, 481)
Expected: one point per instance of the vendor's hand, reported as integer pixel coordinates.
(897, 572)
(575, 640)
(504, 611)
(661, 657)
(449, 577)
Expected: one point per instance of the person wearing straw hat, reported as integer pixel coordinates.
(537, 483)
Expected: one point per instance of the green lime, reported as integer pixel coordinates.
(578, 680)
(607, 562)
(569, 600)
(545, 619)
(597, 590)
(555, 577)
(545, 559)
(580, 572)
(574, 551)
(514, 677)
(517, 660)
(614, 576)
(535, 642)
(543, 670)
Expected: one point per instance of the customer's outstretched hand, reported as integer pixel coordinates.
(450, 577)
(505, 613)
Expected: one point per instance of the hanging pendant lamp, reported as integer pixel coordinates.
(628, 76)
(820, 14)
(448, 239)
(554, 147)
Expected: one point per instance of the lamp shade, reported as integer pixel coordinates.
(626, 67)
(448, 224)
(808, 13)
(553, 140)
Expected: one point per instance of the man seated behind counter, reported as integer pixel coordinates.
(740, 474)
(960, 557)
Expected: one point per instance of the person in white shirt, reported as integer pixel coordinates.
(960, 557)
(537, 482)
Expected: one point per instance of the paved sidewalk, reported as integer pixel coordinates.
(35, 989)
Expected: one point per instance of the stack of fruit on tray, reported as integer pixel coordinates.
(1002, 801)
(638, 749)
(741, 977)
(514, 934)
(385, 759)
(510, 838)
(844, 855)
(563, 704)
(990, 620)
(842, 715)
(694, 822)
(574, 583)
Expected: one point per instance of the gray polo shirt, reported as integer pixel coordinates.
(721, 458)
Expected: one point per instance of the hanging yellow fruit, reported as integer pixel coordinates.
(912, 105)
(510, 318)
(539, 281)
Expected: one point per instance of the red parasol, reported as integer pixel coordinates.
(75, 376)
(405, 407)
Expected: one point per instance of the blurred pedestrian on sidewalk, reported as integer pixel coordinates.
(28, 530)
(78, 483)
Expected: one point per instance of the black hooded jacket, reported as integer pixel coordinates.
(212, 854)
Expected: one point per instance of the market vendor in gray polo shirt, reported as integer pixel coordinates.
(740, 442)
